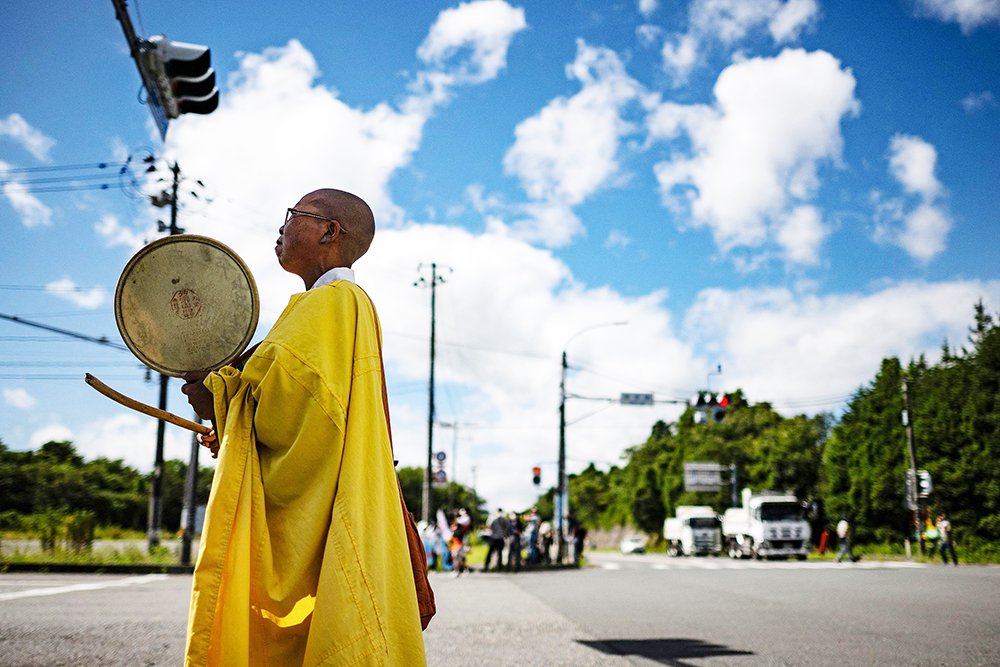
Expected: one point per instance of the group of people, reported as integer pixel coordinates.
(516, 540)
(513, 540)
(936, 534)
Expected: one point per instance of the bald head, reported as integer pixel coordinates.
(355, 217)
(325, 229)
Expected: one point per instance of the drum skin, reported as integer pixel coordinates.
(186, 303)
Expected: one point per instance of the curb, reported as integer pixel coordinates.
(81, 568)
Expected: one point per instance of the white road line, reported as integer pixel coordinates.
(611, 566)
(116, 583)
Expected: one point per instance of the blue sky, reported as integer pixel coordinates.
(791, 189)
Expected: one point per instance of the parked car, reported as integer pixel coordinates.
(634, 544)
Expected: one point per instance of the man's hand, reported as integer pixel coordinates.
(211, 441)
(198, 395)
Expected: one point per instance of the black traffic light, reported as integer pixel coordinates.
(536, 473)
(925, 484)
(183, 75)
(720, 403)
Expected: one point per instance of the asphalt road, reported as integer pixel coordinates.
(623, 610)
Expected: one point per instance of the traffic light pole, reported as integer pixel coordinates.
(908, 415)
(561, 473)
(155, 518)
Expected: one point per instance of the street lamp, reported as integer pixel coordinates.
(561, 486)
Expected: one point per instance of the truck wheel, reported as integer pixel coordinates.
(800, 556)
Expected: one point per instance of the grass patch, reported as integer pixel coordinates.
(128, 556)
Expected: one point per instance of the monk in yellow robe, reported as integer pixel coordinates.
(303, 558)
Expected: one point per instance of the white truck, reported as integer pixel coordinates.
(694, 531)
(768, 525)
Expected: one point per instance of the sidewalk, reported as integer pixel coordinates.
(489, 619)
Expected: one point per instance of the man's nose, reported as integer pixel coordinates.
(281, 230)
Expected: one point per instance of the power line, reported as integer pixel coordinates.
(103, 340)
(63, 167)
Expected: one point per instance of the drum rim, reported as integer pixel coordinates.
(167, 240)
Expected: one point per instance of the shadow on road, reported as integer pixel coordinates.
(666, 651)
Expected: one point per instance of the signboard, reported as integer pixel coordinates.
(440, 456)
(439, 479)
(702, 476)
(637, 399)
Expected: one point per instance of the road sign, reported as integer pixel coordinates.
(637, 399)
(439, 479)
(702, 476)
(440, 456)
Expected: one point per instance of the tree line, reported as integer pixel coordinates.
(55, 479)
(853, 466)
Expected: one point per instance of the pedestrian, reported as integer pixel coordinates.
(947, 545)
(304, 557)
(497, 540)
(845, 536)
(534, 557)
(514, 543)
(577, 534)
(545, 532)
(932, 536)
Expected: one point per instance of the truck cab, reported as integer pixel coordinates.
(768, 525)
(694, 531)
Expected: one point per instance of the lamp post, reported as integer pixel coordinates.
(561, 486)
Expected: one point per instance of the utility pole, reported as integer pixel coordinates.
(562, 488)
(425, 510)
(908, 423)
(155, 518)
(190, 500)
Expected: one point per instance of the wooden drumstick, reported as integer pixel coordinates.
(145, 409)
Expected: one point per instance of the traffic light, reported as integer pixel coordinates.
(719, 411)
(183, 75)
(536, 475)
(925, 485)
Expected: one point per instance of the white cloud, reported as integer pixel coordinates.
(89, 299)
(919, 227)
(32, 211)
(974, 102)
(115, 233)
(912, 161)
(969, 14)
(648, 34)
(803, 351)
(755, 154)
(49, 433)
(801, 233)
(791, 19)
(617, 239)
(727, 22)
(486, 27)
(19, 398)
(647, 7)
(569, 150)
(32, 140)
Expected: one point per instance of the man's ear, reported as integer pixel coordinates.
(328, 236)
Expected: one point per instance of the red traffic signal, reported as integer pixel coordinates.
(536, 473)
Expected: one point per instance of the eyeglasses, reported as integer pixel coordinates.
(292, 212)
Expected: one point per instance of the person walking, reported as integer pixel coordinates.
(498, 537)
(947, 543)
(304, 557)
(845, 533)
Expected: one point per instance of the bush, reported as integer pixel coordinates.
(80, 530)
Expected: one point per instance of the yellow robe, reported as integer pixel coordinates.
(303, 559)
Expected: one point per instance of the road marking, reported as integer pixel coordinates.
(40, 592)
(732, 564)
